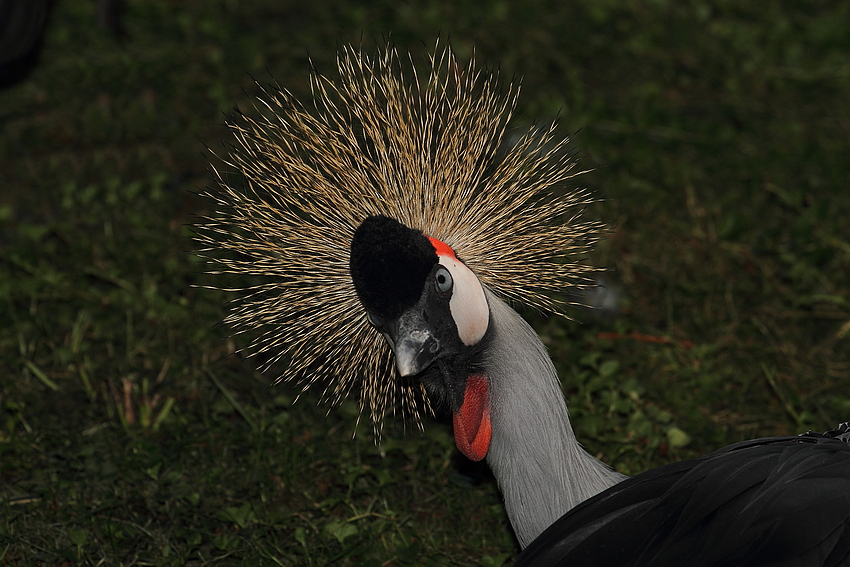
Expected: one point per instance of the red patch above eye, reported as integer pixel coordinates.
(442, 248)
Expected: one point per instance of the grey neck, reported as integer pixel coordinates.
(539, 465)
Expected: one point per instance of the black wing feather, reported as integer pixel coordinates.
(776, 502)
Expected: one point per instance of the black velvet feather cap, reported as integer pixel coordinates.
(389, 264)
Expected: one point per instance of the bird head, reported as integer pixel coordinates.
(389, 307)
(432, 311)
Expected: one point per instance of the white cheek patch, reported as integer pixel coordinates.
(468, 303)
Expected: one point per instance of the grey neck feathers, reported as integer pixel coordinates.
(541, 469)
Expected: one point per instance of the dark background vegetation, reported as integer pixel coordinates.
(130, 434)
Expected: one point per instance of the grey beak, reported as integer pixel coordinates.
(414, 346)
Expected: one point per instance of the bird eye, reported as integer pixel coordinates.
(443, 280)
(373, 319)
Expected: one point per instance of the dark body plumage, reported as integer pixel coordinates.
(755, 503)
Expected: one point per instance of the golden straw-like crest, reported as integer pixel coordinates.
(429, 151)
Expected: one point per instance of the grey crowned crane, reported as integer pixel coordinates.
(389, 226)
(776, 501)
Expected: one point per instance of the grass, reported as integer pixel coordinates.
(130, 432)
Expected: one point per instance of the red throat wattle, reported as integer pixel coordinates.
(472, 426)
